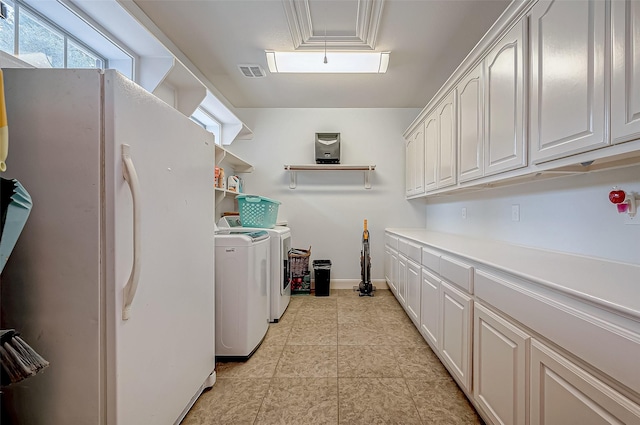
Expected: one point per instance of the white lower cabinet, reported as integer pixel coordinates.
(430, 308)
(413, 291)
(391, 268)
(523, 354)
(564, 393)
(456, 314)
(500, 352)
(401, 293)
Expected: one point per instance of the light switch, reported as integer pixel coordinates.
(515, 212)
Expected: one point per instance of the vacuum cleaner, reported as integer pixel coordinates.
(365, 288)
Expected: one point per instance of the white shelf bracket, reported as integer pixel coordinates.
(292, 178)
(367, 181)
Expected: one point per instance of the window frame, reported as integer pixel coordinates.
(19, 6)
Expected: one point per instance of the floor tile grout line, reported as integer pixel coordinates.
(395, 353)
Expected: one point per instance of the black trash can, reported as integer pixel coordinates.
(322, 275)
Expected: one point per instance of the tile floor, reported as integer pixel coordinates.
(340, 359)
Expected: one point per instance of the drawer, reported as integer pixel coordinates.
(391, 241)
(431, 260)
(457, 272)
(609, 343)
(410, 250)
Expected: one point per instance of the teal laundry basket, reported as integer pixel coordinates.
(257, 211)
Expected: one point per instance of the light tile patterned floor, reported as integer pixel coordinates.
(340, 359)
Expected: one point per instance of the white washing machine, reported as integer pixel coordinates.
(279, 280)
(241, 292)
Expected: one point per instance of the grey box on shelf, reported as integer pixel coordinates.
(327, 148)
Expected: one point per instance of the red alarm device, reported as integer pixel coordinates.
(617, 196)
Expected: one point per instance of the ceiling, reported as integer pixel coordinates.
(427, 39)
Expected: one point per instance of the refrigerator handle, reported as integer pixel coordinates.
(131, 177)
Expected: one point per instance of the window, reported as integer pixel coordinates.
(7, 29)
(203, 118)
(39, 42)
(81, 57)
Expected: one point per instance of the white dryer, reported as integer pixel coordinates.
(279, 281)
(241, 292)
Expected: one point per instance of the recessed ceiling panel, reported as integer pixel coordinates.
(338, 17)
(350, 24)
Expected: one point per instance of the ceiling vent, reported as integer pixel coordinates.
(252, 71)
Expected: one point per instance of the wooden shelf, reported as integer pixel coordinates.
(320, 167)
(329, 167)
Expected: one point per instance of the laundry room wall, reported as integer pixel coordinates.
(570, 214)
(327, 208)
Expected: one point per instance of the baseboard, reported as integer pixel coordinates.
(350, 283)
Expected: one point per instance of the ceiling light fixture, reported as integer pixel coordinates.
(339, 62)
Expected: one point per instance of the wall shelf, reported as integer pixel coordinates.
(293, 169)
(239, 165)
(223, 193)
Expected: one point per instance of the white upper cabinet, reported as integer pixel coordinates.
(415, 162)
(568, 90)
(431, 142)
(470, 142)
(553, 84)
(447, 131)
(504, 131)
(440, 144)
(625, 84)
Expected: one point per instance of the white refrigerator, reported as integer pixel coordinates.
(92, 235)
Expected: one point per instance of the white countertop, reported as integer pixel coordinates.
(608, 283)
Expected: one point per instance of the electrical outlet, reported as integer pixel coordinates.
(632, 220)
(464, 213)
(515, 212)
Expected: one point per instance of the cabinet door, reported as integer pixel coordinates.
(504, 129)
(394, 271)
(418, 160)
(415, 162)
(456, 314)
(625, 95)
(431, 153)
(470, 141)
(447, 141)
(413, 291)
(401, 294)
(391, 268)
(500, 367)
(409, 164)
(430, 308)
(564, 393)
(568, 51)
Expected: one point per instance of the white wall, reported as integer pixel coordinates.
(571, 214)
(327, 209)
